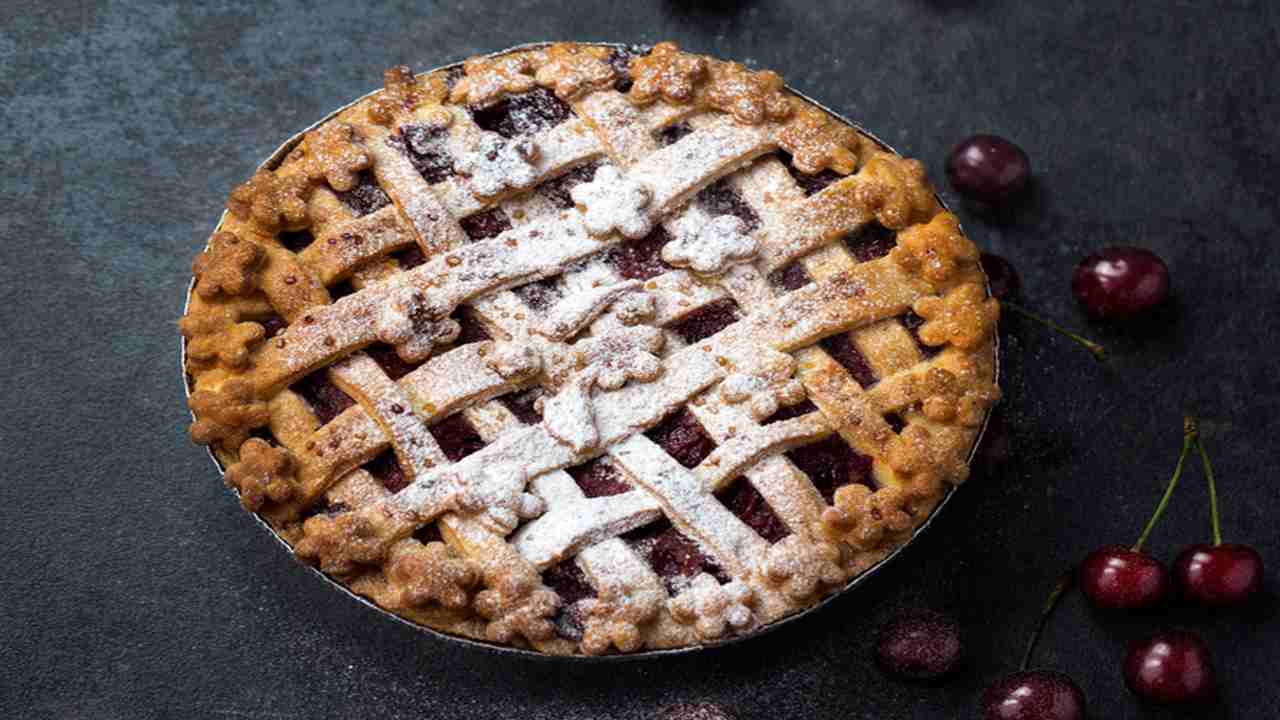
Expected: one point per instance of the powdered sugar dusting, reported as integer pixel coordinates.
(719, 243)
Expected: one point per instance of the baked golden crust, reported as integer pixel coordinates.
(411, 169)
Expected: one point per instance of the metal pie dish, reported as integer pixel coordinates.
(278, 156)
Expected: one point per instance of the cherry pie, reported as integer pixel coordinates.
(590, 349)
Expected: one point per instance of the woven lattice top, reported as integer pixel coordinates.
(589, 349)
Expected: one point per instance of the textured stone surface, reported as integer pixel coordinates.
(134, 586)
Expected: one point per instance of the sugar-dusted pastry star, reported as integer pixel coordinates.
(764, 396)
(414, 324)
(423, 574)
(568, 414)
(572, 69)
(272, 200)
(496, 164)
(263, 472)
(964, 317)
(612, 201)
(666, 73)
(713, 608)
(516, 604)
(229, 266)
(722, 242)
(226, 415)
(515, 358)
(615, 617)
(498, 493)
(800, 566)
(623, 354)
(864, 517)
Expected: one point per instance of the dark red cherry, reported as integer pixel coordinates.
(1034, 695)
(919, 645)
(1120, 578)
(1219, 575)
(1170, 668)
(696, 711)
(1120, 282)
(1002, 278)
(988, 169)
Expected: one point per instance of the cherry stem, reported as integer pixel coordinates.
(1189, 433)
(1099, 352)
(1213, 491)
(1064, 583)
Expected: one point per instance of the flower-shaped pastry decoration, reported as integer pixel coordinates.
(817, 141)
(713, 608)
(964, 317)
(432, 573)
(751, 97)
(402, 92)
(569, 416)
(272, 200)
(799, 567)
(952, 400)
(488, 80)
(666, 73)
(414, 324)
(614, 618)
(895, 190)
(764, 395)
(612, 202)
(229, 266)
(864, 517)
(496, 164)
(513, 359)
(335, 153)
(722, 242)
(498, 496)
(623, 354)
(262, 473)
(935, 251)
(226, 415)
(921, 465)
(343, 542)
(229, 346)
(573, 69)
(634, 308)
(516, 605)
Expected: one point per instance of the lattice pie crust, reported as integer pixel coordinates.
(590, 349)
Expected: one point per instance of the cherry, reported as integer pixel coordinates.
(1120, 282)
(1219, 575)
(988, 169)
(919, 645)
(1033, 695)
(1003, 281)
(1120, 578)
(1170, 668)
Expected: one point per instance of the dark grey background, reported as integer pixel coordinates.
(135, 587)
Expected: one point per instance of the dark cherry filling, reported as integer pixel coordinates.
(540, 294)
(428, 533)
(472, 330)
(273, 325)
(790, 277)
(721, 199)
(523, 114)
(456, 436)
(598, 478)
(522, 405)
(296, 240)
(895, 421)
(682, 436)
(671, 134)
(841, 349)
(341, 290)
(620, 59)
(485, 225)
(570, 583)
(557, 190)
(386, 470)
(326, 399)
(832, 464)
(389, 360)
(671, 554)
(366, 196)
(809, 183)
(872, 241)
(425, 148)
(787, 412)
(749, 505)
(707, 320)
(410, 257)
(912, 323)
(640, 259)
